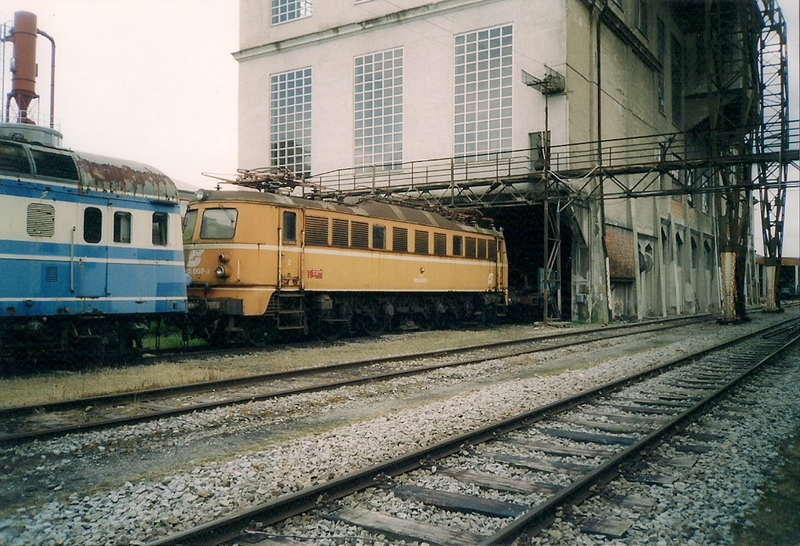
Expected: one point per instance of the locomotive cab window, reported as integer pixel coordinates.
(219, 224)
(13, 158)
(122, 227)
(289, 228)
(189, 223)
(379, 237)
(160, 228)
(92, 225)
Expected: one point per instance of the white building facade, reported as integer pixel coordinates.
(336, 84)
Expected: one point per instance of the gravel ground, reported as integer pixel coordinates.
(126, 486)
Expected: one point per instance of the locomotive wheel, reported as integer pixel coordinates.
(373, 321)
(260, 333)
(372, 326)
(214, 334)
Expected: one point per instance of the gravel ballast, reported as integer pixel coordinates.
(356, 427)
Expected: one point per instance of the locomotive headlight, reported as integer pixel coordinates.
(223, 271)
(224, 258)
(201, 195)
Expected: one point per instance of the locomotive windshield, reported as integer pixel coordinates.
(189, 222)
(13, 158)
(219, 224)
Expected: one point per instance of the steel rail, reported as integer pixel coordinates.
(229, 527)
(577, 489)
(150, 395)
(118, 398)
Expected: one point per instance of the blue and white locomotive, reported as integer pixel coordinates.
(90, 251)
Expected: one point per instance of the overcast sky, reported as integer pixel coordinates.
(154, 81)
(147, 80)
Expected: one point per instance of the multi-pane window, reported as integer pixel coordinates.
(290, 110)
(379, 109)
(677, 82)
(483, 92)
(289, 10)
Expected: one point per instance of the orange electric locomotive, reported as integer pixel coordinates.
(264, 262)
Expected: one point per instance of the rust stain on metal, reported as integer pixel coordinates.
(619, 243)
(122, 178)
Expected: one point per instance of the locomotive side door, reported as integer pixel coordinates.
(290, 251)
(89, 254)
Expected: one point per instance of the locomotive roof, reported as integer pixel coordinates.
(367, 209)
(84, 170)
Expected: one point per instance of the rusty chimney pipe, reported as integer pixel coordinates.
(23, 64)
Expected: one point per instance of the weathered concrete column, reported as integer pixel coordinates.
(728, 292)
(772, 302)
(734, 306)
(598, 265)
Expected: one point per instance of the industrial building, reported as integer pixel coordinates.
(622, 145)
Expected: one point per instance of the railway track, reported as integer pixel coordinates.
(554, 455)
(23, 424)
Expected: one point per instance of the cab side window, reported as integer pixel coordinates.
(92, 225)
(122, 227)
(189, 223)
(160, 228)
(379, 237)
(289, 228)
(458, 245)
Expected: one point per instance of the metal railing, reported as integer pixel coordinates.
(671, 150)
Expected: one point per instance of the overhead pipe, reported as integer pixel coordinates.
(52, 75)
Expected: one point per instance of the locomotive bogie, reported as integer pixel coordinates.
(333, 267)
